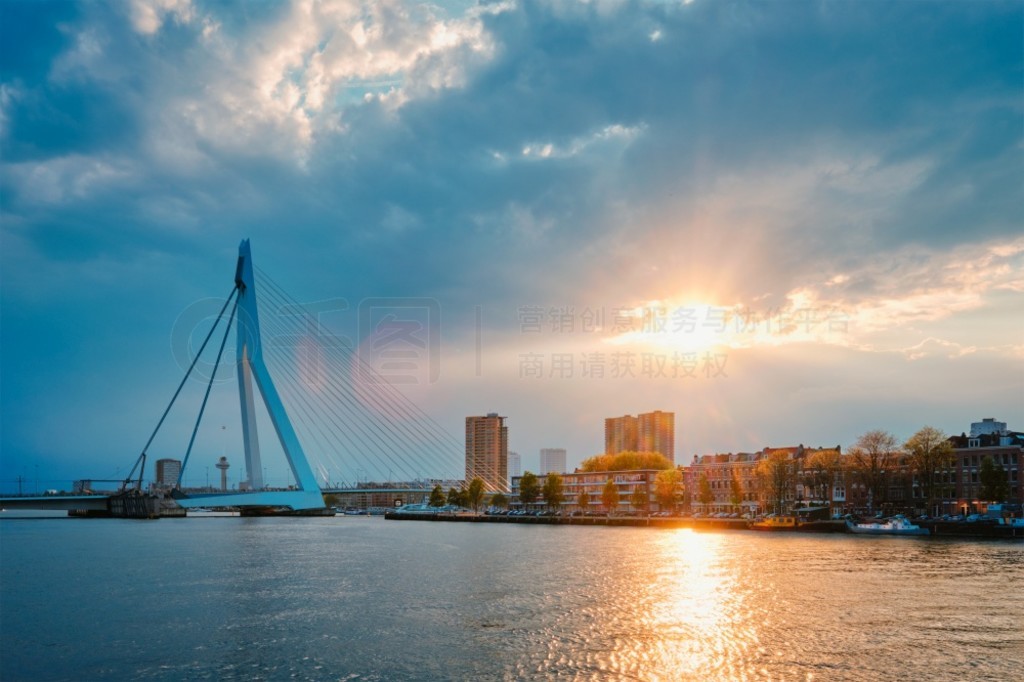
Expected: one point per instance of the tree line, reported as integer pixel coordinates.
(875, 459)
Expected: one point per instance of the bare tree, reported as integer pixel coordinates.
(777, 473)
(873, 459)
(930, 457)
(819, 473)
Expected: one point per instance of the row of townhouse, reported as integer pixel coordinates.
(733, 483)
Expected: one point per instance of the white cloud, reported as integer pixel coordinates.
(68, 178)
(913, 307)
(287, 81)
(616, 136)
(148, 16)
(9, 95)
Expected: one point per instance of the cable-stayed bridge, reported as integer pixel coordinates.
(331, 414)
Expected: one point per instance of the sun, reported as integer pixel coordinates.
(693, 326)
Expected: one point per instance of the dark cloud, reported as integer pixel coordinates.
(754, 147)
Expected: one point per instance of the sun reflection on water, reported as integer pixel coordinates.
(697, 610)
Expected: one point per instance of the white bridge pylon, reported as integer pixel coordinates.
(252, 368)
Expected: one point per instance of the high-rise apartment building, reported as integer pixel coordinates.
(656, 432)
(515, 465)
(167, 472)
(648, 432)
(487, 451)
(552, 460)
(619, 434)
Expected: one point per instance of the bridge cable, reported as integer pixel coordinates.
(393, 408)
(184, 379)
(368, 439)
(370, 398)
(209, 385)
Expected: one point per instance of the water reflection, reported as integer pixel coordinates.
(697, 609)
(375, 600)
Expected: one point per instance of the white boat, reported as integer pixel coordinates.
(897, 525)
(203, 512)
(418, 509)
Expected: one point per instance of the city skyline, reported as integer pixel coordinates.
(784, 222)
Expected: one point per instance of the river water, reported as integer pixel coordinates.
(357, 598)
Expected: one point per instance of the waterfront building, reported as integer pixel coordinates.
(735, 486)
(988, 438)
(720, 470)
(167, 473)
(552, 459)
(647, 432)
(515, 464)
(487, 451)
(593, 482)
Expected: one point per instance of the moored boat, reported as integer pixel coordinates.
(775, 523)
(897, 525)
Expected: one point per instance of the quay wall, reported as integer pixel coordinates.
(937, 528)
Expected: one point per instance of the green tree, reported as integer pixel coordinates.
(931, 456)
(994, 486)
(475, 493)
(332, 500)
(626, 461)
(437, 496)
(639, 498)
(873, 459)
(704, 493)
(529, 488)
(583, 500)
(776, 473)
(499, 500)
(666, 488)
(457, 497)
(610, 496)
(735, 490)
(554, 490)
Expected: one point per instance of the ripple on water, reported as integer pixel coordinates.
(367, 599)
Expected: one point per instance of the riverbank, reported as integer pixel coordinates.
(936, 528)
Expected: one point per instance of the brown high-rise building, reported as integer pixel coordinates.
(649, 432)
(656, 432)
(487, 451)
(619, 434)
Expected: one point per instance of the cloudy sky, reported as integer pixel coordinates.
(787, 222)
